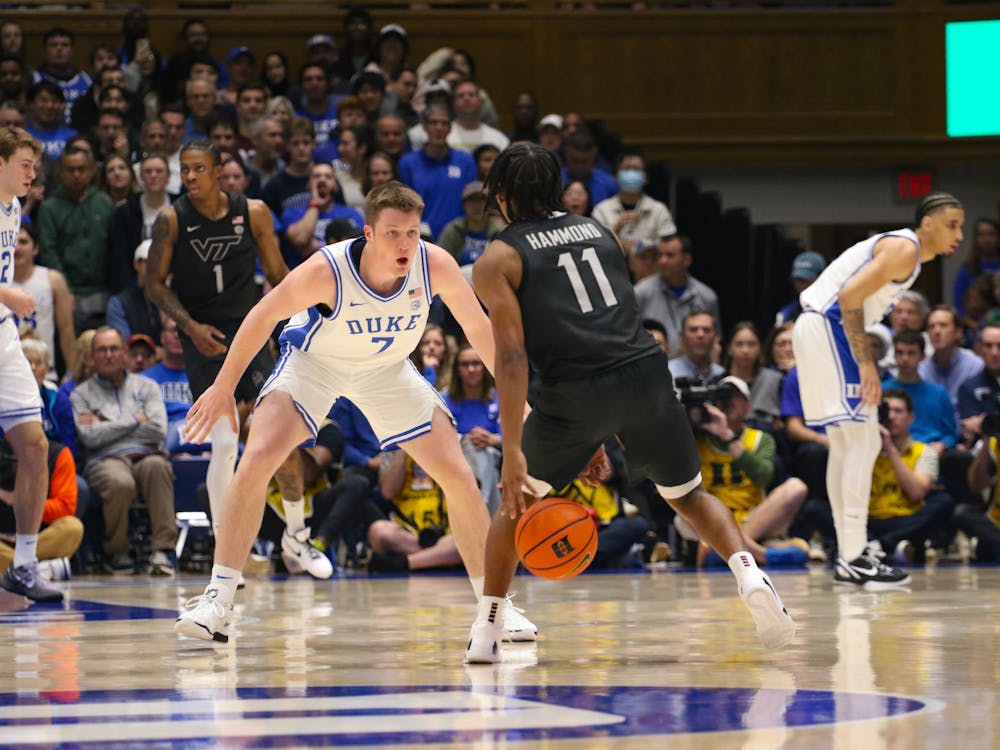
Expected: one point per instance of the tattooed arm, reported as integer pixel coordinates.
(161, 252)
(894, 260)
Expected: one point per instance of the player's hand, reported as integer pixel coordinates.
(515, 483)
(204, 338)
(20, 302)
(871, 386)
(211, 406)
(7, 498)
(598, 469)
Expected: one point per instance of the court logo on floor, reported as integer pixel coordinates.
(275, 717)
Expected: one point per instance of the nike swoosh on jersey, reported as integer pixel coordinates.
(357, 304)
(195, 228)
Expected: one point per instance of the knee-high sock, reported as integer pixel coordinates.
(221, 466)
(854, 446)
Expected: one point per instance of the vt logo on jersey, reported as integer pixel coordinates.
(214, 249)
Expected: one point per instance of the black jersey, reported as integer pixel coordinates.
(579, 311)
(214, 264)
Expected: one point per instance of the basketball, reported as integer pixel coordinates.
(556, 538)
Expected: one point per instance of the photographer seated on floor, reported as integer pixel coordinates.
(737, 465)
(982, 526)
(61, 531)
(417, 537)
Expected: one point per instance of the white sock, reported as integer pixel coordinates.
(742, 564)
(221, 467)
(491, 609)
(295, 519)
(477, 587)
(26, 551)
(224, 581)
(854, 446)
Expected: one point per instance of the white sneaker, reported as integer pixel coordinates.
(517, 627)
(299, 554)
(205, 618)
(484, 643)
(775, 626)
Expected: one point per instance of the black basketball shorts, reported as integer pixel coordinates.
(202, 370)
(635, 402)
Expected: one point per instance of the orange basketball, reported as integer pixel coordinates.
(556, 538)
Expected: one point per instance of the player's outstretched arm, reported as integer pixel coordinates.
(447, 281)
(496, 275)
(895, 258)
(262, 226)
(207, 339)
(309, 284)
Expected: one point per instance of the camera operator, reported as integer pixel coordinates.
(905, 508)
(737, 466)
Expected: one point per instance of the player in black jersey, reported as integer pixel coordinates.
(208, 243)
(559, 298)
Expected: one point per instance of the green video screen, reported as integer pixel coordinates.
(972, 71)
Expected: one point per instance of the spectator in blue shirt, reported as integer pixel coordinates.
(473, 402)
(47, 107)
(306, 225)
(934, 416)
(437, 171)
(580, 153)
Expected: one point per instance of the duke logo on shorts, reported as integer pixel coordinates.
(829, 379)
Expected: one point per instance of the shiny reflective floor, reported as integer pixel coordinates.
(623, 660)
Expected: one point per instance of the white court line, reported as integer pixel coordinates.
(455, 712)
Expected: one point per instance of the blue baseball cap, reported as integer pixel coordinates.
(241, 50)
(808, 266)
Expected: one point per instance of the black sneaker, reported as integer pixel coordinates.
(26, 581)
(868, 572)
(388, 563)
(119, 565)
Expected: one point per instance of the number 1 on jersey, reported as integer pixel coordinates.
(217, 269)
(589, 256)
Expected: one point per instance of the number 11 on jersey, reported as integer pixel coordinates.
(589, 257)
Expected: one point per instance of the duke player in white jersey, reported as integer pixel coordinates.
(839, 380)
(20, 402)
(357, 308)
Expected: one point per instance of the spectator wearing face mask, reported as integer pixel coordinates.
(631, 214)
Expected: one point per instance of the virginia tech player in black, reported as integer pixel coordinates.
(208, 243)
(559, 297)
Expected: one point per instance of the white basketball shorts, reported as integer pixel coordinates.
(19, 397)
(395, 398)
(829, 381)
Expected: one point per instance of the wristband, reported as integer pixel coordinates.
(315, 204)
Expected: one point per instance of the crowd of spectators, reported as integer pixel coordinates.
(310, 143)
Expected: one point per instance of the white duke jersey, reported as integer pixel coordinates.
(822, 294)
(364, 329)
(10, 226)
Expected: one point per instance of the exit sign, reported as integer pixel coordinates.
(914, 184)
